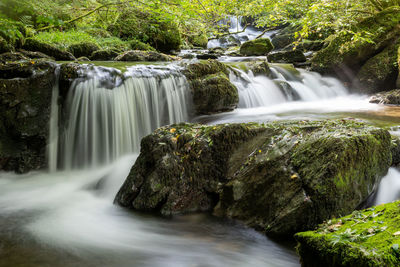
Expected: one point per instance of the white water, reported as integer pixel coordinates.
(105, 124)
(236, 25)
(69, 214)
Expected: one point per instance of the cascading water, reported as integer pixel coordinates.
(107, 120)
(237, 24)
(284, 86)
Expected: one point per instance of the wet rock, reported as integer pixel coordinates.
(103, 55)
(137, 55)
(388, 98)
(25, 101)
(379, 72)
(293, 56)
(34, 55)
(68, 73)
(280, 177)
(199, 40)
(84, 49)
(365, 238)
(211, 89)
(288, 90)
(257, 47)
(12, 57)
(260, 68)
(52, 51)
(281, 41)
(207, 56)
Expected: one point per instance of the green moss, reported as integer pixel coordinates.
(84, 49)
(138, 45)
(344, 49)
(380, 72)
(199, 40)
(257, 47)
(364, 238)
(211, 88)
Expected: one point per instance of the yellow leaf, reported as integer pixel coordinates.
(294, 176)
(172, 130)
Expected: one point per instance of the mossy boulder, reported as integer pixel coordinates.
(50, 50)
(198, 40)
(147, 28)
(34, 55)
(12, 57)
(380, 72)
(292, 56)
(137, 55)
(365, 238)
(25, 100)
(4, 46)
(103, 55)
(388, 98)
(138, 45)
(260, 68)
(344, 51)
(281, 41)
(84, 49)
(211, 89)
(257, 47)
(280, 177)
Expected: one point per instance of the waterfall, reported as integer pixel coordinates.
(108, 113)
(389, 187)
(52, 148)
(284, 84)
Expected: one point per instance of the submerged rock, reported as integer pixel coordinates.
(365, 238)
(50, 50)
(279, 178)
(25, 101)
(389, 98)
(138, 55)
(293, 56)
(256, 47)
(211, 88)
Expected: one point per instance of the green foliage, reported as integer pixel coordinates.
(11, 31)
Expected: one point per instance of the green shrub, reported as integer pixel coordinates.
(12, 32)
(138, 45)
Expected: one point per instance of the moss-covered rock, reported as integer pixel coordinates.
(281, 41)
(364, 238)
(34, 55)
(343, 50)
(279, 177)
(380, 72)
(211, 89)
(4, 46)
(260, 68)
(199, 40)
(147, 28)
(12, 57)
(292, 56)
(398, 65)
(84, 49)
(25, 101)
(52, 51)
(388, 98)
(103, 55)
(138, 45)
(137, 55)
(257, 47)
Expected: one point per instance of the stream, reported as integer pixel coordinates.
(66, 216)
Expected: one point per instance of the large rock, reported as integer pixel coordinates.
(211, 89)
(364, 238)
(279, 178)
(257, 47)
(25, 100)
(388, 98)
(138, 55)
(380, 72)
(344, 52)
(52, 51)
(84, 49)
(292, 56)
(398, 65)
(103, 55)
